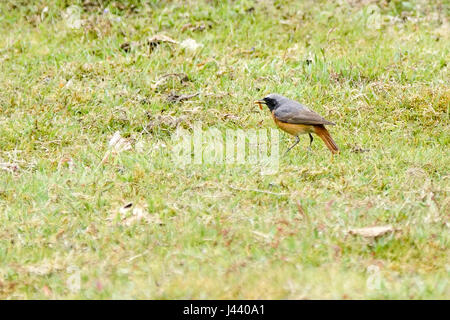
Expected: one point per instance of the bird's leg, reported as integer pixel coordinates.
(310, 141)
(297, 140)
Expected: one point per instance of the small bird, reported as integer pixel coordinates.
(295, 119)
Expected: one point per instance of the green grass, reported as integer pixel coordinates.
(381, 73)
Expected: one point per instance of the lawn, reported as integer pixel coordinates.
(81, 219)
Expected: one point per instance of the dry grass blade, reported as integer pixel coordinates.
(259, 191)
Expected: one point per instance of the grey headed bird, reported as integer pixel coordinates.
(295, 119)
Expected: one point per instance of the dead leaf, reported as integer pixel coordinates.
(47, 291)
(131, 214)
(117, 144)
(10, 167)
(99, 285)
(59, 233)
(43, 268)
(337, 251)
(190, 44)
(7, 287)
(91, 229)
(39, 270)
(328, 205)
(372, 232)
(66, 161)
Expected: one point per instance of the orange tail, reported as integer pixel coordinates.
(325, 136)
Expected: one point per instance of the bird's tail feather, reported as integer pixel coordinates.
(323, 133)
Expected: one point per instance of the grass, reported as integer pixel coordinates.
(377, 69)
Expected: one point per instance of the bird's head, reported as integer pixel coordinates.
(272, 101)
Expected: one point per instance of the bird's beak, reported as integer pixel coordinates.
(260, 103)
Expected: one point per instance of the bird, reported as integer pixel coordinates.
(295, 119)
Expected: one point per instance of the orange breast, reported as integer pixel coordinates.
(293, 128)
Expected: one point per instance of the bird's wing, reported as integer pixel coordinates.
(299, 114)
